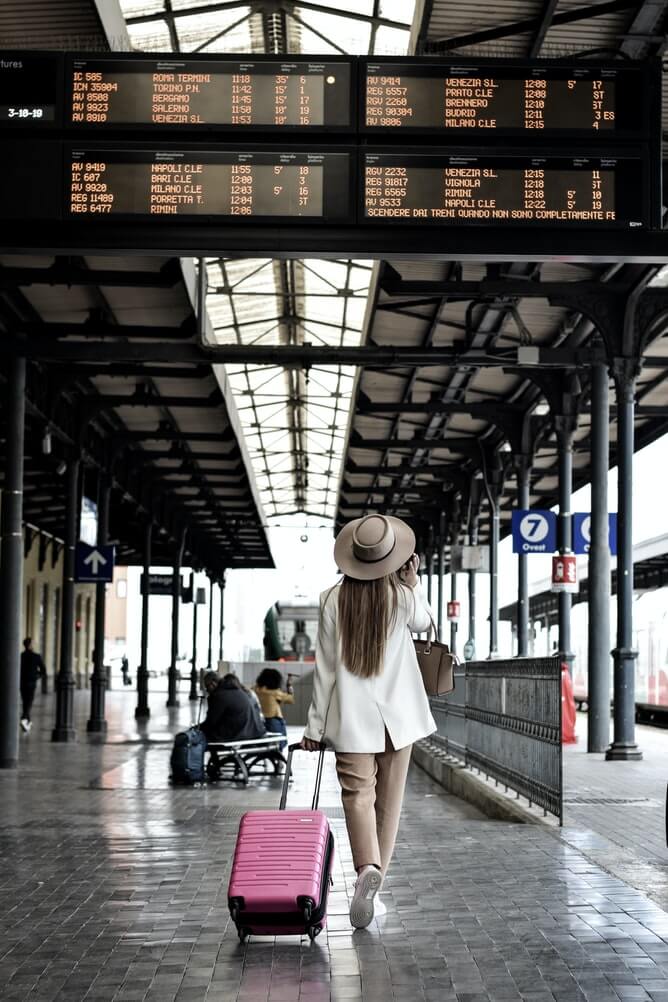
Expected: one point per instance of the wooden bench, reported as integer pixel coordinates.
(244, 756)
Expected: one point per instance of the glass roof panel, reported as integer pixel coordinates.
(230, 30)
(135, 8)
(397, 10)
(152, 36)
(391, 41)
(349, 34)
(294, 420)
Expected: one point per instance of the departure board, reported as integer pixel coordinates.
(178, 93)
(496, 189)
(29, 89)
(487, 98)
(253, 185)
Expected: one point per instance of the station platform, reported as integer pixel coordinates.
(616, 811)
(113, 887)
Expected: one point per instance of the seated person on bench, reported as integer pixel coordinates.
(271, 695)
(232, 714)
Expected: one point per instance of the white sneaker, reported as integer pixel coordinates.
(379, 908)
(25, 724)
(366, 888)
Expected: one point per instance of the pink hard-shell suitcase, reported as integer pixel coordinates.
(282, 868)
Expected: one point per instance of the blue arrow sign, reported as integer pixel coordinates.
(534, 531)
(582, 532)
(94, 563)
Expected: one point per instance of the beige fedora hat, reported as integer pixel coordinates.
(371, 547)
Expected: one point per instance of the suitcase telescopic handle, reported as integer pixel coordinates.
(318, 776)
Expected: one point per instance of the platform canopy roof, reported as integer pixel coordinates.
(426, 442)
(295, 421)
(167, 434)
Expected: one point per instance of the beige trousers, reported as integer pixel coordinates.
(372, 790)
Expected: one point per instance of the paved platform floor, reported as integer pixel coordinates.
(113, 887)
(615, 812)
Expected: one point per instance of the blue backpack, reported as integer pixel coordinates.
(187, 759)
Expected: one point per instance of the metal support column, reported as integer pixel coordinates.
(64, 727)
(598, 713)
(493, 575)
(11, 566)
(565, 534)
(440, 584)
(209, 660)
(624, 745)
(98, 683)
(172, 699)
(194, 694)
(469, 653)
(142, 710)
(523, 470)
(222, 617)
(430, 574)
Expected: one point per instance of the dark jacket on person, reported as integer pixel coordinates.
(232, 715)
(32, 667)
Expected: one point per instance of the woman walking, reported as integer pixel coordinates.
(369, 701)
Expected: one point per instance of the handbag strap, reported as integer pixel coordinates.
(432, 634)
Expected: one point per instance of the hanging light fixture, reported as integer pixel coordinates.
(46, 441)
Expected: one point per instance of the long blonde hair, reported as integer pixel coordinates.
(367, 611)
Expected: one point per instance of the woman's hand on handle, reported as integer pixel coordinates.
(308, 744)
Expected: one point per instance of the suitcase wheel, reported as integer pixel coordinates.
(243, 935)
(313, 931)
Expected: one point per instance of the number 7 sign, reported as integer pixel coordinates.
(534, 531)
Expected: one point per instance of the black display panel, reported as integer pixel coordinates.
(487, 98)
(172, 92)
(32, 179)
(30, 89)
(251, 184)
(504, 189)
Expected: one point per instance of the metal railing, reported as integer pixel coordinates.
(504, 718)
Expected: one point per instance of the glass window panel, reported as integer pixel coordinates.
(150, 37)
(314, 45)
(398, 10)
(354, 6)
(391, 42)
(136, 8)
(207, 31)
(349, 34)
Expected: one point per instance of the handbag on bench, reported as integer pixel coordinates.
(436, 663)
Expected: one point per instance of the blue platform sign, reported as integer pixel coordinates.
(534, 531)
(94, 563)
(582, 532)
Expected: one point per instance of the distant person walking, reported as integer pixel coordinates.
(369, 700)
(32, 667)
(125, 670)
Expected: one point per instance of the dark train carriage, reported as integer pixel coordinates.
(290, 631)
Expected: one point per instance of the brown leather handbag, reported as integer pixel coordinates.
(436, 663)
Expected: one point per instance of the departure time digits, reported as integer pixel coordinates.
(479, 102)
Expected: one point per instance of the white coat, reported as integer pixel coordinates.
(352, 713)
